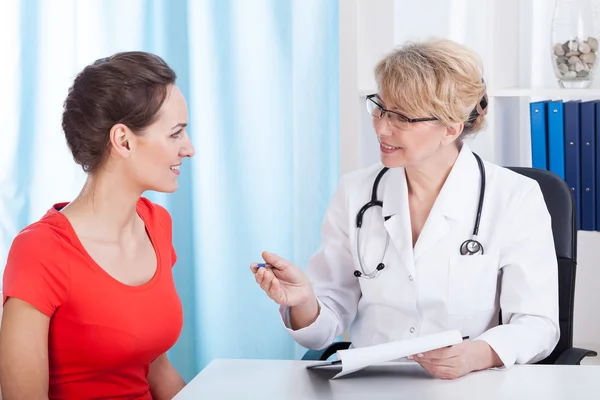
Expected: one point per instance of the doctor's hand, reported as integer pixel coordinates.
(455, 361)
(284, 282)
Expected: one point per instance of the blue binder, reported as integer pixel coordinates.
(556, 138)
(588, 165)
(537, 114)
(572, 153)
(597, 137)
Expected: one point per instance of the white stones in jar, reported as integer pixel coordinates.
(575, 59)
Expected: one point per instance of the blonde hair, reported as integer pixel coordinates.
(435, 78)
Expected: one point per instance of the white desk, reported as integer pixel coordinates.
(278, 379)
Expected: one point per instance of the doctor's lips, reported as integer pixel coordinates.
(388, 147)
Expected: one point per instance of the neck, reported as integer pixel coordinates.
(425, 181)
(107, 206)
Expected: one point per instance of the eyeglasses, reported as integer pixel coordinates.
(396, 119)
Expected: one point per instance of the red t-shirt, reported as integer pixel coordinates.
(103, 333)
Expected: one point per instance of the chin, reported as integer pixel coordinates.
(168, 188)
(393, 162)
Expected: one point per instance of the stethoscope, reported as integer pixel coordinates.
(469, 247)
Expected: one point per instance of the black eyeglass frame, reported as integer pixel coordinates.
(402, 117)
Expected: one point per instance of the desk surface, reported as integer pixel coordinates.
(279, 379)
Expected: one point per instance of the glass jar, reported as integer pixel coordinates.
(574, 43)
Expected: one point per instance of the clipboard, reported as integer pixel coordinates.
(355, 359)
(324, 364)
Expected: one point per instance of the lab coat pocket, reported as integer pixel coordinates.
(472, 283)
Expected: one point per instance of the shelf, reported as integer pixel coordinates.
(550, 92)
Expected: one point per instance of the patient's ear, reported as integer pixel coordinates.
(120, 140)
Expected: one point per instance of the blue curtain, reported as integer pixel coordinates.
(261, 81)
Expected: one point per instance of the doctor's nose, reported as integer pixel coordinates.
(383, 127)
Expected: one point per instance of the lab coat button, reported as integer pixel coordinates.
(410, 277)
(412, 330)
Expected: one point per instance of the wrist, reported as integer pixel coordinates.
(486, 356)
(304, 314)
(309, 303)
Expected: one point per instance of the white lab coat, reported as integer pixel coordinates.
(433, 288)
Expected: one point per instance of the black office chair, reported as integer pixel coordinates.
(561, 207)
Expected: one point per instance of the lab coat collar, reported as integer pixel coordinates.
(396, 212)
(457, 200)
(460, 193)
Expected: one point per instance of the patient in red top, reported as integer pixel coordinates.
(90, 307)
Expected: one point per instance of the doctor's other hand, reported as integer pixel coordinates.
(284, 283)
(455, 361)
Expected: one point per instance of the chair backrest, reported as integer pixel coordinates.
(561, 206)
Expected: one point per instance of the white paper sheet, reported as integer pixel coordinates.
(359, 358)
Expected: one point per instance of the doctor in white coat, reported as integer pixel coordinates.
(431, 96)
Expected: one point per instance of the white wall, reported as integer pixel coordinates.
(377, 26)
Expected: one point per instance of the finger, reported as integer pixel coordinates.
(260, 275)
(267, 286)
(438, 353)
(255, 267)
(266, 282)
(444, 361)
(439, 362)
(276, 289)
(277, 293)
(275, 260)
(284, 274)
(441, 371)
(444, 352)
(431, 369)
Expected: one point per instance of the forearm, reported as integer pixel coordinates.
(526, 339)
(164, 380)
(304, 315)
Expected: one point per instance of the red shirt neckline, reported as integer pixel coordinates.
(55, 211)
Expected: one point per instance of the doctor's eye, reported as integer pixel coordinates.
(399, 118)
(398, 121)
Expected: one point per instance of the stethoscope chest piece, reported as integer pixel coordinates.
(471, 247)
